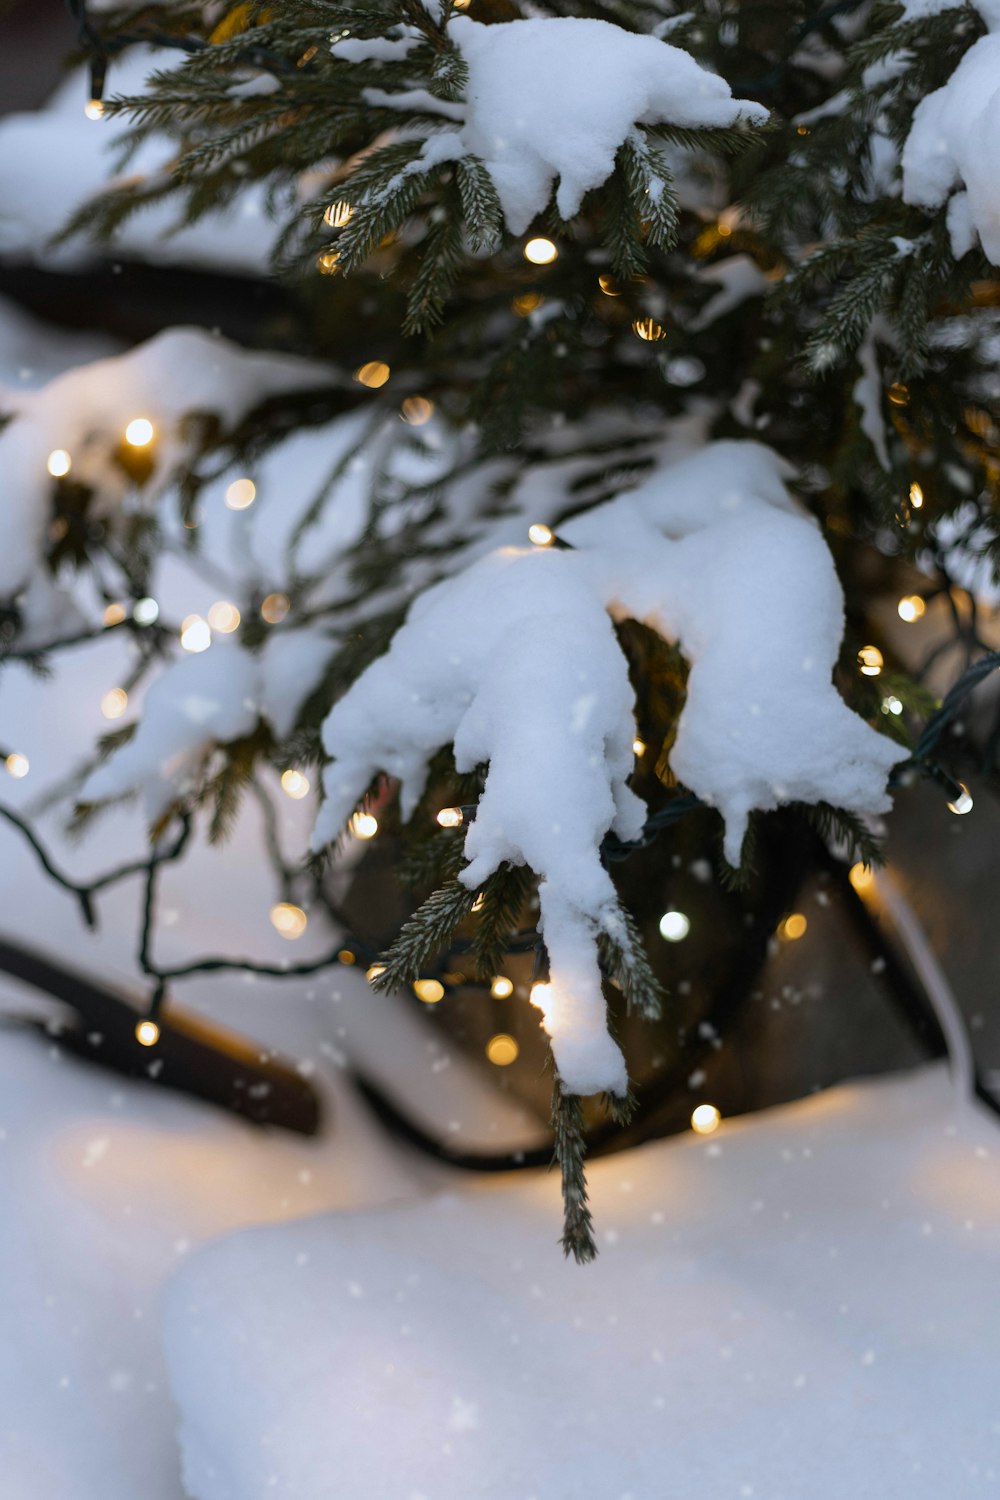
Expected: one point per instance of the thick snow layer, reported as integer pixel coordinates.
(515, 663)
(803, 1308)
(953, 147)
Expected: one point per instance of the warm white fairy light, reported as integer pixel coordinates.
(373, 374)
(58, 463)
(240, 494)
(224, 617)
(870, 661)
(793, 927)
(145, 611)
(114, 703)
(502, 1050)
(540, 251)
(705, 1119)
(649, 330)
(373, 971)
(147, 1033)
(479, 902)
(139, 432)
(196, 634)
(674, 926)
(338, 214)
(288, 920)
(963, 803)
(540, 535)
(114, 614)
(416, 410)
(274, 608)
(861, 876)
(916, 495)
(502, 988)
(911, 607)
(638, 748)
(609, 286)
(892, 705)
(17, 765)
(430, 991)
(94, 109)
(364, 825)
(450, 817)
(294, 784)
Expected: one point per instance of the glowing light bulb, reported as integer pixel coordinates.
(527, 303)
(147, 1033)
(328, 263)
(540, 994)
(17, 765)
(793, 927)
(294, 784)
(373, 374)
(892, 704)
(430, 991)
(541, 536)
(638, 748)
(450, 817)
(870, 661)
(674, 926)
(114, 614)
(502, 1050)
(274, 608)
(705, 1119)
(898, 393)
(288, 920)
(911, 607)
(416, 410)
(963, 803)
(139, 432)
(196, 634)
(145, 611)
(609, 286)
(94, 109)
(916, 495)
(114, 703)
(345, 956)
(58, 463)
(540, 251)
(338, 214)
(479, 902)
(373, 971)
(861, 876)
(649, 330)
(364, 825)
(502, 988)
(240, 494)
(224, 617)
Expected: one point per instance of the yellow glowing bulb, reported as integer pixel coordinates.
(461, 4)
(195, 634)
(479, 902)
(911, 607)
(540, 994)
(339, 214)
(114, 703)
(962, 804)
(417, 410)
(240, 494)
(898, 393)
(58, 463)
(94, 109)
(540, 251)
(450, 817)
(638, 748)
(527, 303)
(674, 926)
(916, 495)
(139, 432)
(224, 617)
(793, 927)
(328, 263)
(430, 991)
(373, 971)
(502, 1050)
(294, 784)
(345, 956)
(17, 765)
(275, 607)
(861, 876)
(288, 920)
(541, 536)
(147, 1033)
(114, 614)
(373, 374)
(364, 825)
(502, 988)
(609, 286)
(870, 661)
(649, 330)
(705, 1119)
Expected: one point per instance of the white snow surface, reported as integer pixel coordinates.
(802, 1308)
(954, 147)
(514, 662)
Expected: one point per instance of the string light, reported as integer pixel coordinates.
(145, 611)
(674, 926)
(892, 704)
(114, 614)
(502, 988)
(705, 1119)
(527, 303)
(639, 748)
(147, 1033)
(540, 994)
(295, 785)
(870, 661)
(541, 536)
(18, 765)
(139, 432)
(861, 876)
(328, 263)
(479, 902)
(540, 251)
(911, 607)
(430, 991)
(240, 494)
(196, 634)
(916, 495)
(417, 410)
(274, 608)
(373, 374)
(649, 330)
(346, 956)
(224, 617)
(364, 825)
(114, 703)
(58, 463)
(963, 803)
(288, 920)
(450, 817)
(502, 1050)
(609, 286)
(94, 109)
(898, 393)
(338, 214)
(793, 927)
(373, 972)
